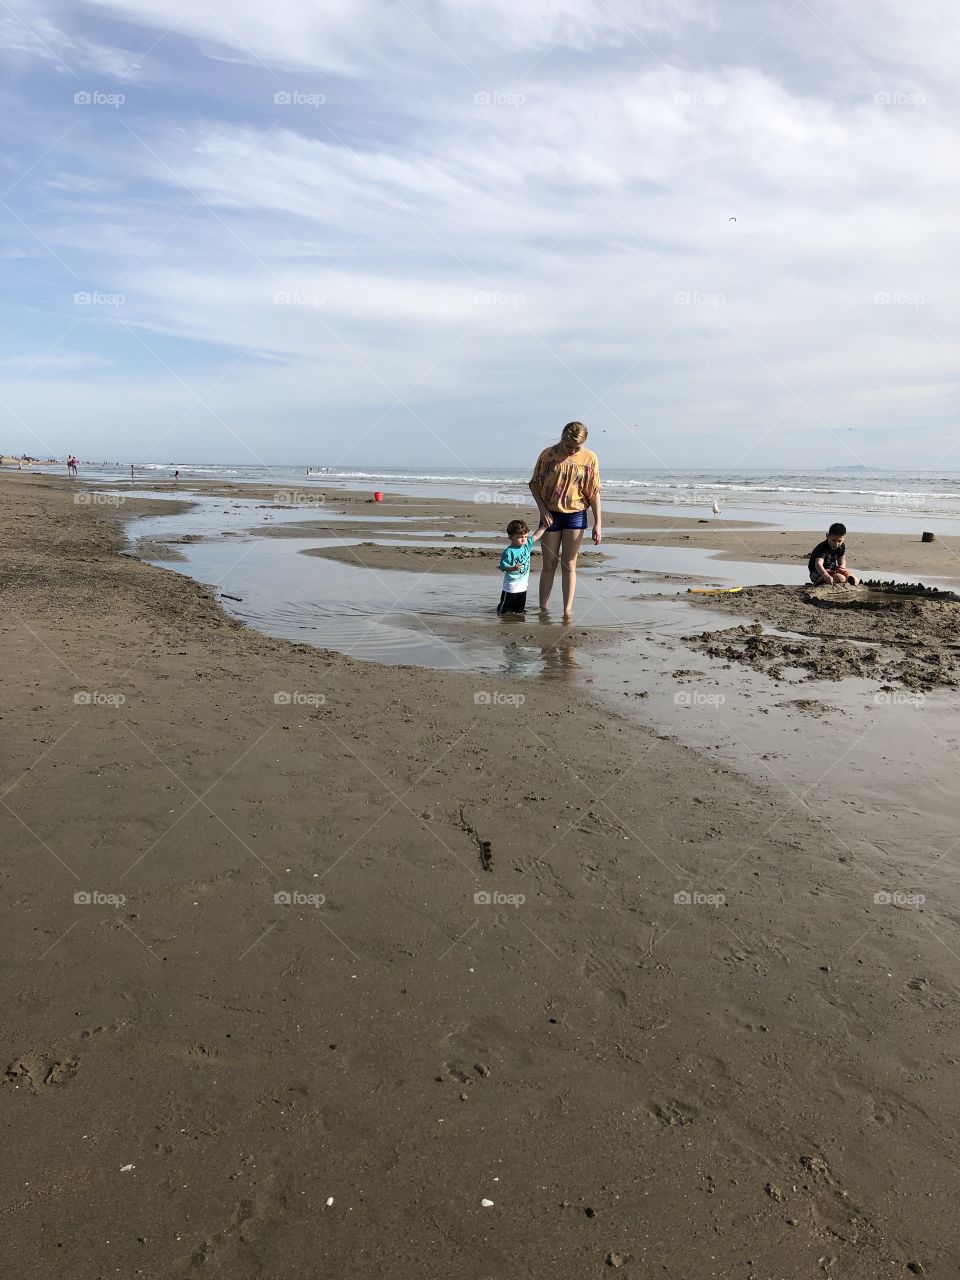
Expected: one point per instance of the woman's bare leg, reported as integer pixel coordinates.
(571, 539)
(550, 556)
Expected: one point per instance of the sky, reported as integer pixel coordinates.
(432, 231)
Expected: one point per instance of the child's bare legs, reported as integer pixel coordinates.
(571, 539)
(550, 556)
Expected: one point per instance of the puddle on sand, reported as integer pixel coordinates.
(443, 620)
(879, 767)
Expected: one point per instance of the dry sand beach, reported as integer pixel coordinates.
(317, 967)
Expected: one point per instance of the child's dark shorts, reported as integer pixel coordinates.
(512, 602)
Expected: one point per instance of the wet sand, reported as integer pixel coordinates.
(895, 640)
(700, 1045)
(452, 559)
(895, 552)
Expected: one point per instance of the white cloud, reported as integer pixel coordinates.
(564, 241)
(41, 38)
(348, 33)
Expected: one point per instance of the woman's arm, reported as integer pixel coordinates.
(546, 519)
(595, 508)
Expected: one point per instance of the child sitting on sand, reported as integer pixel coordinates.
(828, 560)
(515, 563)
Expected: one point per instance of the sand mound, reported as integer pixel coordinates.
(897, 639)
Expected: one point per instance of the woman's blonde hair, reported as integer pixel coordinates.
(574, 433)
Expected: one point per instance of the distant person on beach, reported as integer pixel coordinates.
(515, 563)
(828, 560)
(565, 485)
(131, 471)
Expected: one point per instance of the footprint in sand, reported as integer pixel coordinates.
(674, 1113)
(35, 1070)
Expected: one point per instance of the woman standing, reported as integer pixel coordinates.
(565, 483)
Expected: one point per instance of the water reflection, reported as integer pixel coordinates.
(553, 653)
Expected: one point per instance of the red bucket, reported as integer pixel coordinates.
(378, 496)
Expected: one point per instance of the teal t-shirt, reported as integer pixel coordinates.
(513, 556)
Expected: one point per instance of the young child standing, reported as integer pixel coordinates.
(828, 560)
(515, 563)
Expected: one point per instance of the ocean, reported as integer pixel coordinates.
(834, 492)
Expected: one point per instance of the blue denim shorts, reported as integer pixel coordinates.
(567, 520)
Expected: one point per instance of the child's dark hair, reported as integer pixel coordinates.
(838, 530)
(515, 527)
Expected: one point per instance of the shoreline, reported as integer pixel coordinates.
(199, 1069)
